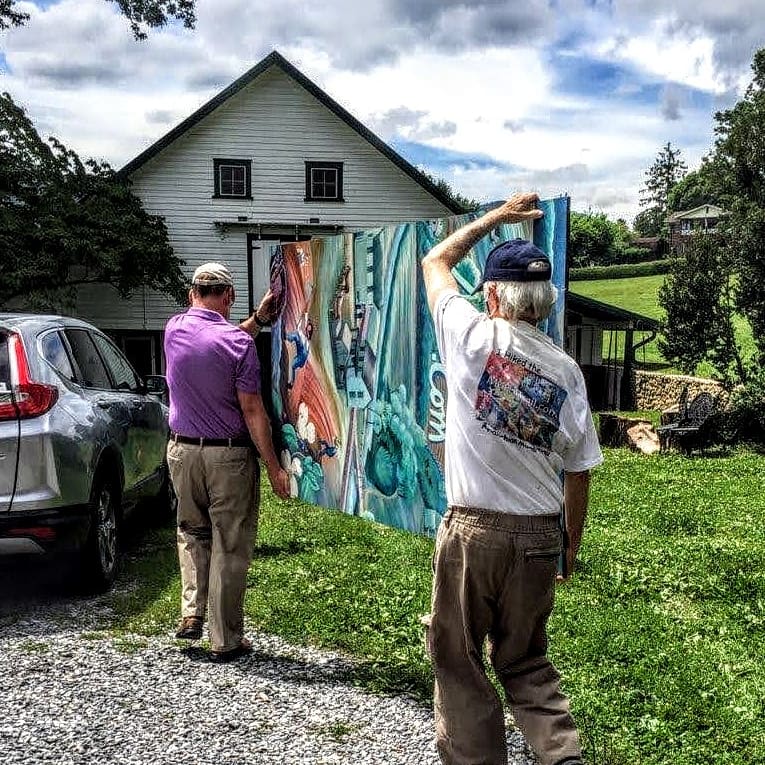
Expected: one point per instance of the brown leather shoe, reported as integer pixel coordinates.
(221, 657)
(190, 629)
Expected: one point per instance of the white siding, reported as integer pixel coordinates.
(279, 126)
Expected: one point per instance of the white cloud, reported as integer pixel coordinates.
(730, 29)
(685, 57)
(476, 92)
(474, 78)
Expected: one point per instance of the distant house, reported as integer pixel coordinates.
(682, 225)
(271, 158)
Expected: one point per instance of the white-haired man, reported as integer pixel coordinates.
(517, 419)
(216, 414)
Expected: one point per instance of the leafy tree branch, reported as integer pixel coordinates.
(142, 14)
(65, 222)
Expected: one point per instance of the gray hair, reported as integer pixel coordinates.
(516, 299)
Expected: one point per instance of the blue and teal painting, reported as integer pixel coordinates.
(358, 385)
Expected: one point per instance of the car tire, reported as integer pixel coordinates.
(100, 556)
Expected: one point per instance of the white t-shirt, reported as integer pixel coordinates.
(517, 414)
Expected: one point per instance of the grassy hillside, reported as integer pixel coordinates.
(638, 294)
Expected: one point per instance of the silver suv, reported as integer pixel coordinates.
(82, 440)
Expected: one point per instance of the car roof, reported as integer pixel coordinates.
(38, 321)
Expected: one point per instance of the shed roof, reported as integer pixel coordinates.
(609, 314)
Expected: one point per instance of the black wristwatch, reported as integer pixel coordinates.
(258, 321)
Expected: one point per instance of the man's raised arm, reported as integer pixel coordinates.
(263, 316)
(438, 263)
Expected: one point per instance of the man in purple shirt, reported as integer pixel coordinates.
(216, 414)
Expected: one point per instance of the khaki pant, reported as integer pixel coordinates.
(218, 494)
(495, 577)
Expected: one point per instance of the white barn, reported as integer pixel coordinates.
(271, 158)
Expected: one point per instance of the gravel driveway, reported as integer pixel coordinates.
(71, 693)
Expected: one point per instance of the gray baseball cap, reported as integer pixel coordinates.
(212, 275)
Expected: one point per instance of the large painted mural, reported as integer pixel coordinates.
(358, 388)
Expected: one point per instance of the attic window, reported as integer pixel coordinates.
(324, 182)
(233, 178)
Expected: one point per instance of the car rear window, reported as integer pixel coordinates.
(54, 352)
(94, 374)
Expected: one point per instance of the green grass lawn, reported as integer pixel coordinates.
(659, 636)
(639, 294)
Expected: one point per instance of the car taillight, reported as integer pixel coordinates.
(44, 533)
(30, 398)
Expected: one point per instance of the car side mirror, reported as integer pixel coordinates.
(156, 385)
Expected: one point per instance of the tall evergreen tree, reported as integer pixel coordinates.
(666, 171)
(698, 297)
(740, 150)
(725, 273)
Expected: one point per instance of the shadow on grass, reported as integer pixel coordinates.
(386, 678)
(714, 451)
(291, 547)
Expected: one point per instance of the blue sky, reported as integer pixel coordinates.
(573, 96)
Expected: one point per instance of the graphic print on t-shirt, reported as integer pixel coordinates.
(517, 403)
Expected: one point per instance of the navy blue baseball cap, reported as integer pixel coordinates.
(516, 261)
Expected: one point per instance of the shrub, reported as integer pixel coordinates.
(745, 419)
(621, 271)
(635, 255)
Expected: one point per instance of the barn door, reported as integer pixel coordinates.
(258, 267)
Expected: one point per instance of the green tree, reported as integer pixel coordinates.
(666, 171)
(698, 297)
(623, 234)
(591, 239)
(740, 152)
(9, 16)
(141, 14)
(65, 222)
(706, 185)
(596, 240)
(649, 222)
(727, 273)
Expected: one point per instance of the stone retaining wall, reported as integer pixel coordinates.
(656, 391)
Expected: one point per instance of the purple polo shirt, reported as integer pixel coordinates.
(208, 361)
